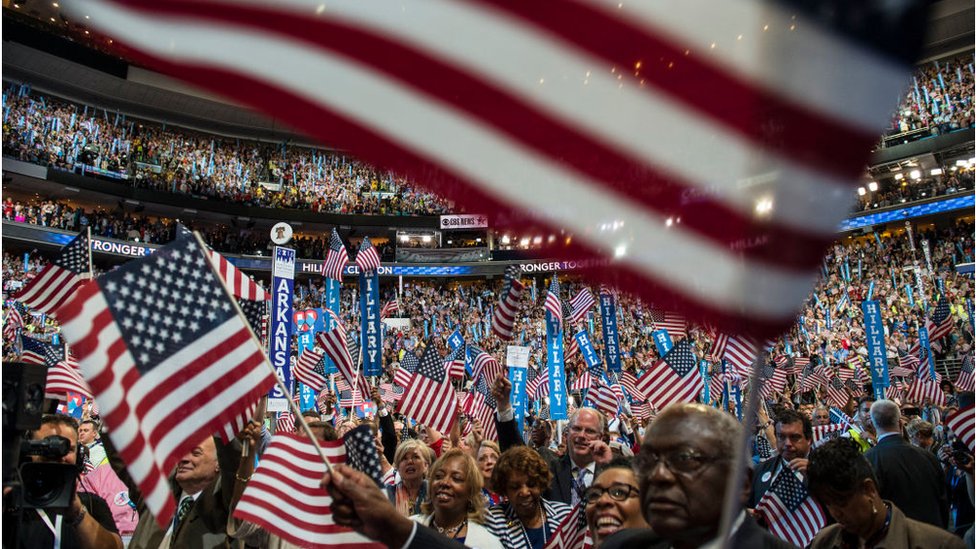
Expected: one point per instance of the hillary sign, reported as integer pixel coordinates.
(372, 334)
(611, 339)
(877, 355)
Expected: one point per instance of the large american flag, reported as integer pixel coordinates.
(367, 258)
(310, 369)
(336, 258)
(674, 378)
(789, 510)
(284, 496)
(61, 278)
(505, 313)
(336, 345)
(610, 107)
(961, 423)
(239, 284)
(941, 322)
(167, 357)
(430, 399)
(581, 304)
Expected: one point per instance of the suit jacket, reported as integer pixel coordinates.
(748, 536)
(561, 487)
(205, 525)
(912, 479)
(903, 533)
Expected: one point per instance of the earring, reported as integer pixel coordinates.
(874, 510)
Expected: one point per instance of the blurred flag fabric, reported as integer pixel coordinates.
(669, 142)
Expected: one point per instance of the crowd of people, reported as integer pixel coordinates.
(50, 131)
(905, 190)
(658, 474)
(940, 97)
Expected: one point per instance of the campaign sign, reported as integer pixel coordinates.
(877, 355)
(586, 349)
(517, 360)
(283, 292)
(371, 338)
(611, 339)
(331, 304)
(663, 341)
(455, 340)
(557, 373)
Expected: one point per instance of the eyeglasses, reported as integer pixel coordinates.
(618, 492)
(591, 433)
(686, 462)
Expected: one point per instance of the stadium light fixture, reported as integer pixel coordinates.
(936, 171)
(861, 191)
(915, 174)
(506, 239)
(899, 176)
(872, 186)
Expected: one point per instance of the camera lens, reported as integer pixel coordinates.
(40, 487)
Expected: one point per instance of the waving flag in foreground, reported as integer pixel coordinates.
(572, 532)
(163, 390)
(13, 321)
(58, 281)
(503, 319)
(962, 425)
(284, 496)
(611, 108)
(63, 375)
(790, 511)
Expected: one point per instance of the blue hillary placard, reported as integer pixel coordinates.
(663, 341)
(332, 288)
(923, 342)
(706, 391)
(517, 360)
(455, 340)
(611, 339)
(371, 338)
(586, 349)
(874, 341)
(282, 295)
(557, 373)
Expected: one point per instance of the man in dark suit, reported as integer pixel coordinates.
(586, 451)
(682, 469)
(909, 477)
(794, 437)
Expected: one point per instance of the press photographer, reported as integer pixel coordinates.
(51, 511)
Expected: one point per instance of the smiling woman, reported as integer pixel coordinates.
(525, 519)
(456, 508)
(613, 502)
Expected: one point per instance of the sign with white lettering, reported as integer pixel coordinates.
(282, 296)
(517, 360)
(874, 341)
(371, 338)
(464, 221)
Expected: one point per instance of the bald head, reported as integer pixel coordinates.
(725, 426)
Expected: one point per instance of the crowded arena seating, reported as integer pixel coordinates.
(940, 98)
(50, 131)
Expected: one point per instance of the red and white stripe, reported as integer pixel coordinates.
(486, 365)
(962, 425)
(285, 422)
(402, 377)
(629, 382)
(157, 416)
(603, 399)
(63, 378)
(580, 304)
(239, 284)
(335, 346)
(284, 496)
(566, 101)
(475, 405)
(304, 370)
(674, 323)
(925, 391)
(663, 386)
(582, 382)
(50, 289)
(741, 352)
(430, 402)
(503, 319)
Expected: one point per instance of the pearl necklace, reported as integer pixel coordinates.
(450, 531)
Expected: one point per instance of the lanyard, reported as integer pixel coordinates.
(54, 528)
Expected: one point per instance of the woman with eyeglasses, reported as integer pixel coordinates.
(411, 461)
(456, 508)
(526, 519)
(613, 502)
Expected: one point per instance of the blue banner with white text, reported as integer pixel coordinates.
(586, 349)
(611, 339)
(557, 373)
(282, 296)
(875, 343)
(332, 288)
(371, 337)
